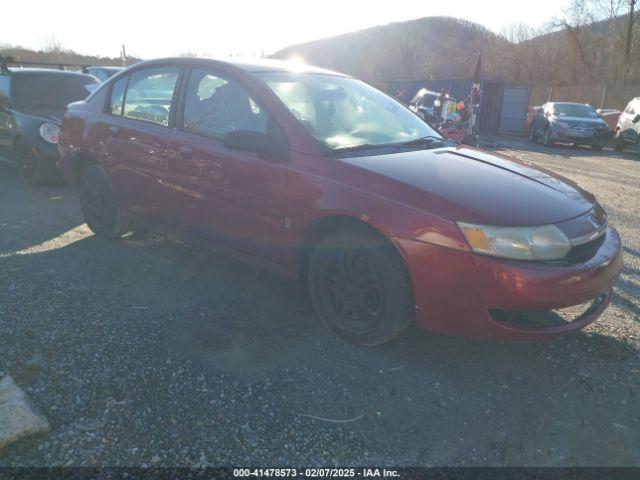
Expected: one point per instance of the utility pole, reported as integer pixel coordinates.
(604, 98)
(627, 51)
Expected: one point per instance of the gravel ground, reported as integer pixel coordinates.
(146, 352)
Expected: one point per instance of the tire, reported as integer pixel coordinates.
(360, 288)
(28, 164)
(618, 142)
(600, 146)
(546, 139)
(99, 204)
(532, 134)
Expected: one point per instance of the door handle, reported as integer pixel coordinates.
(113, 131)
(186, 151)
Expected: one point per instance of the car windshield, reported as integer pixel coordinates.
(428, 99)
(574, 110)
(50, 90)
(343, 112)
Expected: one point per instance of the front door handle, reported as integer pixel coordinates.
(186, 152)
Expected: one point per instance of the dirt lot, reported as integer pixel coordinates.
(145, 352)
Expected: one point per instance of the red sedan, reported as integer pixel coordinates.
(321, 177)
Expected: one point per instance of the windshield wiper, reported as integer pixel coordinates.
(356, 148)
(429, 139)
(423, 141)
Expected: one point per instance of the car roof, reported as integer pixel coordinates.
(425, 91)
(45, 71)
(250, 65)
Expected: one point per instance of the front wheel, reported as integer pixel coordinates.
(546, 139)
(100, 207)
(360, 288)
(618, 142)
(532, 134)
(29, 165)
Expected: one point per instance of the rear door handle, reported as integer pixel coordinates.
(186, 151)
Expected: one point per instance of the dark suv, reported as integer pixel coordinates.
(628, 127)
(564, 122)
(32, 102)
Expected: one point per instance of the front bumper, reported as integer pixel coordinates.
(454, 291)
(595, 137)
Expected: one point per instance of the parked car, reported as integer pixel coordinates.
(628, 128)
(575, 123)
(424, 103)
(32, 102)
(103, 73)
(321, 177)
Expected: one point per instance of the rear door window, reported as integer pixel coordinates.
(150, 93)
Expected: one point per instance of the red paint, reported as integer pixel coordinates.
(261, 210)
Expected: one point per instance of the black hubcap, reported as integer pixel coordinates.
(351, 290)
(99, 203)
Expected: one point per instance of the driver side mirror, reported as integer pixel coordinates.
(248, 141)
(636, 119)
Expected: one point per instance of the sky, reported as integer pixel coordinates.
(233, 27)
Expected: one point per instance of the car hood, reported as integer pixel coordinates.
(580, 120)
(468, 184)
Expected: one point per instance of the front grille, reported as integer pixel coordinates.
(545, 318)
(584, 251)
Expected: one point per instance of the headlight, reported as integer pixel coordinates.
(50, 132)
(546, 242)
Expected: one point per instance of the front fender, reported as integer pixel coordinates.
(310, 198)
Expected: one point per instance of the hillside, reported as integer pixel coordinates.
(445, 47)
(432, 47)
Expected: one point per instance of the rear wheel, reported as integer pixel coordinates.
(29, 165)
(618, 142)
(100, 207)
(359, 287)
